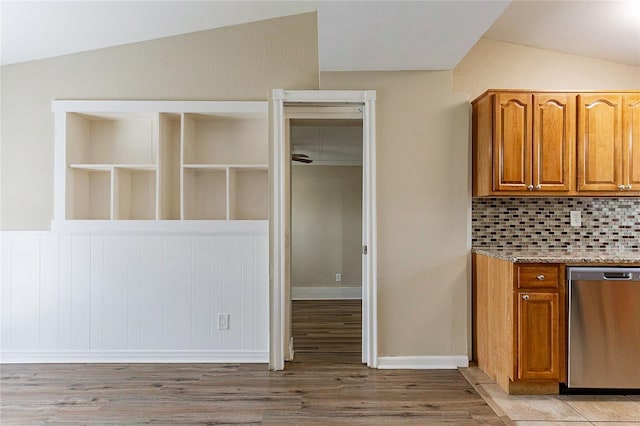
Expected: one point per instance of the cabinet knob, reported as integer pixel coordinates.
(622, 187)
(525, 297)
(530, 187)
(538, 187)
(540, 277)
(628, 187)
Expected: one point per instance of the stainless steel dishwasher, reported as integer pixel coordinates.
(604, 328)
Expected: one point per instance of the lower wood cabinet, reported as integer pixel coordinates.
(538, 320)
(519, 324)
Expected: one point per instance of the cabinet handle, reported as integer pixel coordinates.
(540, 277)
(628, 187)
(530, 187)
(538, 187)
(622, 187)
(525, 297)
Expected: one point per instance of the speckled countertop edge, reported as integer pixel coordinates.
(572, 256)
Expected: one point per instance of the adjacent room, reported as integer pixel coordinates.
(320, 212)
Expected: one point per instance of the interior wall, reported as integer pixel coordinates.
(492, 64)
(242, 62)
(326, 229)
(423, 208)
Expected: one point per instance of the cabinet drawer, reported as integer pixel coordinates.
(538, 276)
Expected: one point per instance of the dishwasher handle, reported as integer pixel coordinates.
(612, 276)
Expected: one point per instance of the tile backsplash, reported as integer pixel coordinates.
(544, 223)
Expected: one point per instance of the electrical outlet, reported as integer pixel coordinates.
(576, 218)
(223, 321)
(338, 278)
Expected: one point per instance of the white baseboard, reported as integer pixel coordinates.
(311, 293)
(423, 362)
(187, 356)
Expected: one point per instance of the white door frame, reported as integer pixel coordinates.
(279, 160)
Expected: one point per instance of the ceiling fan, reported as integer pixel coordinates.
(301, 158)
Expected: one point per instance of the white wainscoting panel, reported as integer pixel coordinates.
(87, 297)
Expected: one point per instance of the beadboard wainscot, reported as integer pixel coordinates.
(135, 296)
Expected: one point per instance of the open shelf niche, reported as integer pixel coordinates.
(178, 161)
(225, 159)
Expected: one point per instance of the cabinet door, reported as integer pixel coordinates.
(631, 141)
(512, 142)
(538, 335)
(599, 142)
(553, 136)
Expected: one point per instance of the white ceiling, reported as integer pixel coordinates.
(607, 30)
(352, 35)
(42, 29)
(400, 35)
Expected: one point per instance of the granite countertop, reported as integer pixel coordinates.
(566, 256)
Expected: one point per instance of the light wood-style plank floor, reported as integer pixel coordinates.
(314, 389)
(327, 326)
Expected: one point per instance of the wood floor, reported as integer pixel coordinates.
(312, 390)
(316, 388)
(327, 326)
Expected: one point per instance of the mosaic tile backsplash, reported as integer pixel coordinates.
(544, 223)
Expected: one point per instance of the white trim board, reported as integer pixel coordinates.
(279, 163)
(451, 362)
(312, 293)
(159, 356)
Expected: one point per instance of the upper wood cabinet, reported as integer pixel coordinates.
(600, 149)
(553, 140)
(512, 142)
(523, 143)
(631, 140)
(566, 144)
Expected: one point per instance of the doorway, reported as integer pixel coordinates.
(326, 238)
(296, 106)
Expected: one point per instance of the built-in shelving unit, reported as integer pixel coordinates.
(160, 161)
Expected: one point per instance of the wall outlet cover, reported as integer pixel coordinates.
(223, 321)
(576, 218)
(338, 278)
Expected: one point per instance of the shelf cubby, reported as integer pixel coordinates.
(111, 138)
(248, 193)
(89, 193)
(204, 193)
(134, 193)
(229, 138)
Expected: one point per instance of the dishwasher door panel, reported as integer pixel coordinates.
(604, 334)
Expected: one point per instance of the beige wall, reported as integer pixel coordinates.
(423, 209)
(326, 231)
(242, 62)
(494, 64)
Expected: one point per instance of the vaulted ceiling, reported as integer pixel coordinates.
(352, 35)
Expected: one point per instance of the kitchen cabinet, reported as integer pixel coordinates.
(523, 143)
(519, 324)
(631, 140)
(538, 335)
(608, 139)
(600, 147)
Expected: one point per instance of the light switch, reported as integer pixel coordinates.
(576, 218)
